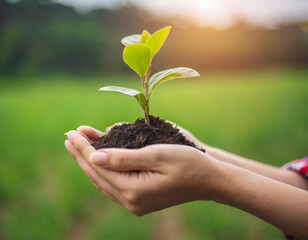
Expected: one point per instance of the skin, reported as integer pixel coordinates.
(276, 173)
(160, 176)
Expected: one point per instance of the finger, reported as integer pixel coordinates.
(110, 127)
(82, 134)
(99, 182)
(83, 149)
(124, 160)
(81, 144)
(92, 133)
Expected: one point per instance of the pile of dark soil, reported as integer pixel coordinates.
(141, 134)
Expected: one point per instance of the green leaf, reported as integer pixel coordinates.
(145, 36)
(132, 39)
(156, 41)
(138, 57)
(142, 100)
(140, 97)
(169, 74)
(123, 90)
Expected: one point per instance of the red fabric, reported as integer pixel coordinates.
(300, 166)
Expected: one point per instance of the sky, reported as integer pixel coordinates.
(215, 13)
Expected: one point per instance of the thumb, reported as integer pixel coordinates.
(123, 160)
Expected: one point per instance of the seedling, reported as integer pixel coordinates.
(138, 54)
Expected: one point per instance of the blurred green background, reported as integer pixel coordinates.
(251, 100)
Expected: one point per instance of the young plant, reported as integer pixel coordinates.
(138, 54)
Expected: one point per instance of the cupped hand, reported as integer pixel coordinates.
(147, 179)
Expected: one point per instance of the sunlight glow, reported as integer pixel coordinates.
(216, 13)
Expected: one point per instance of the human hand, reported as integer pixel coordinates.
(92, 134)
(147, 179)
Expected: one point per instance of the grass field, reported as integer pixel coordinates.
(44, 195)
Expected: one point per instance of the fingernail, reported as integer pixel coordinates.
(70, 138)
(67, 144)
(65, 134)
(98, 158)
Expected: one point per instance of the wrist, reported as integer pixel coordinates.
(223, 183)
(223, 156)
(214, 178)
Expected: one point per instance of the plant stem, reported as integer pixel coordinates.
(147, 96)
(147, 118)
(146, 115)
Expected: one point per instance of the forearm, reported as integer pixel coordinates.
(280, 204)
(279, 174)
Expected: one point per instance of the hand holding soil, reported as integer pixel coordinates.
(138, 178)
(163, 175)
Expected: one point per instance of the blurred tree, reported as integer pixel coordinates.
(39, 37)
(48, 38)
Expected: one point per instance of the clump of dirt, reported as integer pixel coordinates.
(141, 134)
